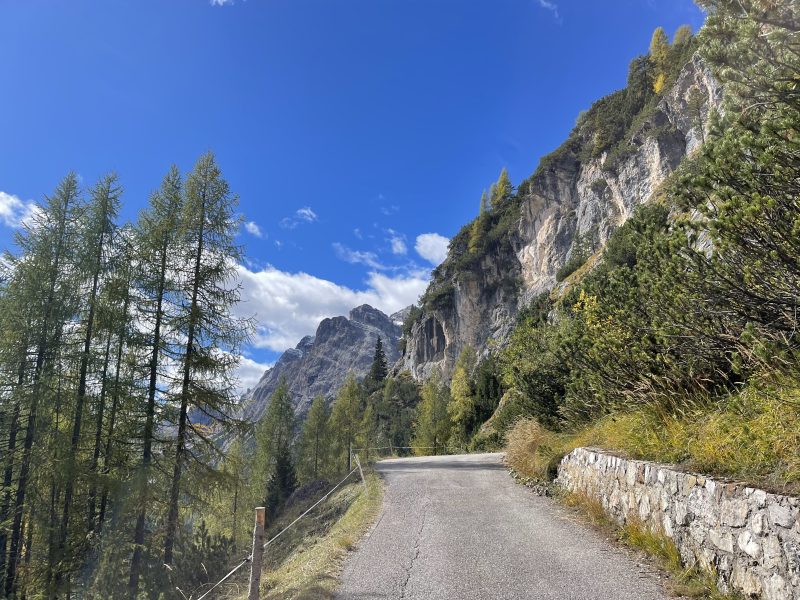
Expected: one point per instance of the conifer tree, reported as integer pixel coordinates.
(502, 189)
(43, 277)
(97, 229)
(461, 408)
(157, 242)
(659, 56)
(273, 433)
(346, 418)
(315, 442)
(282, 481)
(212, 334)
(431, 424)
(379, 369)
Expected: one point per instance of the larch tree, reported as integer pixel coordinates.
(346, 419)
(432, 425)
(157, 249)
(43, 277)
(315, 442)
(98, 226)
(212, 334)
(659, 56)
(461, 408)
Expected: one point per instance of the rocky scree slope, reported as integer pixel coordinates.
(570, 203)
(319, 364)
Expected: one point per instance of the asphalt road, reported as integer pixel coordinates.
(455, 527)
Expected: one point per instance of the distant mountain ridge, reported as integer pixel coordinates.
(319, 364)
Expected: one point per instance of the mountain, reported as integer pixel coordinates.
(319, 364)
(560, 216)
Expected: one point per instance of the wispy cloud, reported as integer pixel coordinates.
(253, 229)
(14, 211)
(302, 215)
(306, 214)
(356, 257)
(551, 6)
(397, 241)
(221, 2)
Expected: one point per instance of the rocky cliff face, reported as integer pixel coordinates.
(567, 202)
(318, 365)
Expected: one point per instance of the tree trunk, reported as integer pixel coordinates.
(172, 516)
(147, 449)
(98, 435)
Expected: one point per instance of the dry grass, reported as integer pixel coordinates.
(753, 435)
(534, 451)
(687, 582)
(306, 561)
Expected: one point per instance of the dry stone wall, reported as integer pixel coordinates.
(749, 537)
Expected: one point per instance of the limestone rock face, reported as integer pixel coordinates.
(566, 201)
(318, 365)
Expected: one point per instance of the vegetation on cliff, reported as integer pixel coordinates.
(681, 344)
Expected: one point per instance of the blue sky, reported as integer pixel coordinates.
(349, 128)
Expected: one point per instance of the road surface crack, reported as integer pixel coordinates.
(415, 554)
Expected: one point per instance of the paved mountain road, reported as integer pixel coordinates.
(458, 527)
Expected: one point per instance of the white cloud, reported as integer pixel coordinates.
(253, 229)
(288, 306)
(14, 211)
(432, 247)
(249, 373)
(356, 257)
(221, 2)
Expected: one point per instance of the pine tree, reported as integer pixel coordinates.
(379, 369)
(273, 433)
(157, 242)
(502, 189)
(212, 334)
(431, 424)
(461, 408)
(315, 442)
(282, 482)
(346, 419)
(43, 277)
(659, 56)
(98, 227)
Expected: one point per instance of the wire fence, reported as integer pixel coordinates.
(249, 557)
(353, 455)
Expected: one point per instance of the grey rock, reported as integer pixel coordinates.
(741, 533)
(562, 203)
(319, 364)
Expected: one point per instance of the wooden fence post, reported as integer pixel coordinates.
(258, 553)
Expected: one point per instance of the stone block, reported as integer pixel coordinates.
(782, 516)
(722, 540)
(775, 588)
(734, 512)
(749, 544)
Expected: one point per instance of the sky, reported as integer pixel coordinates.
(357, 134)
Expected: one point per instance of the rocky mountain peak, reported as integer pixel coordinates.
(319, 364)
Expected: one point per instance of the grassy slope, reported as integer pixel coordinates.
(306, 561)
(752, 436)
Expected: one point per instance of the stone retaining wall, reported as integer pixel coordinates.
(750, 537)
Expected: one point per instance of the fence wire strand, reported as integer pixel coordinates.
(249, 557)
